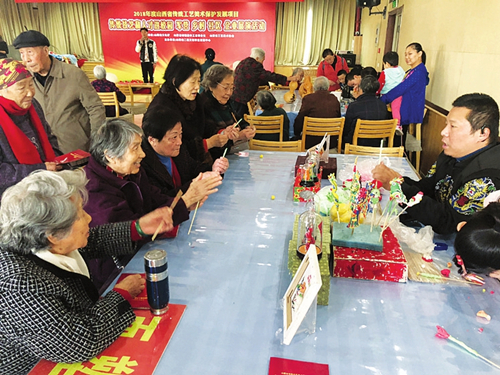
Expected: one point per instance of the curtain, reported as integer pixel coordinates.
(72, 28)
(332, 27)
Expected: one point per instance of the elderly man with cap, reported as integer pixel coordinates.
(70, 103)
(26, 142)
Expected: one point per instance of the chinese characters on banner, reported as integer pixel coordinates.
(231, 29)
(138, 350)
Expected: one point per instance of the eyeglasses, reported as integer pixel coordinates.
(227, 88)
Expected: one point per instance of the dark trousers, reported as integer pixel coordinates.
(147, 70)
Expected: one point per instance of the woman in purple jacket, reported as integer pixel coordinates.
(119, 190)
(412, 89)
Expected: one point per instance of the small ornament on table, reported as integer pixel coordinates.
(332, 194)
(471, 277)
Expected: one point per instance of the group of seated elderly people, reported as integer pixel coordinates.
(64, 235)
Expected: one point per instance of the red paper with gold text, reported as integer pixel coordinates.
(137, 351)
(282, 366)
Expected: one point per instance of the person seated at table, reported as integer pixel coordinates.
(366, 107)
(353, 80)
(341, 80)
(248, 75)
(220, 116)
(369, 71)
(50, 308)
(465, 172)
(300, 74)
(180, 90)
(26, 140)
(478, 240)
(267, 102)
(119, 190)
(320, 104)
(101, 84)
(167, 162)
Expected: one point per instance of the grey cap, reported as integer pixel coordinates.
(30, 38)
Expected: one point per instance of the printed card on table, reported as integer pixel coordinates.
(137, 351)
(282, 366)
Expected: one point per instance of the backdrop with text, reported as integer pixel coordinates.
(231, 29)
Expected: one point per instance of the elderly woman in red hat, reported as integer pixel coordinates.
(26, 141)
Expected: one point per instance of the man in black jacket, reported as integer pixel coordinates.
(465, 172)
(366, 107)
(148, 55)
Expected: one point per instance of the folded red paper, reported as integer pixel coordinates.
(74, 159)
(280, 366)
(141, 301)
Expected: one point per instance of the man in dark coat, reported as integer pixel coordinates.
(366, 107)
(320, 104)
(248, 75)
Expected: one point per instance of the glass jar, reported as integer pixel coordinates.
(310, 230)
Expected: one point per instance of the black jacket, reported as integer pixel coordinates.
(366, 107)
(454, 190)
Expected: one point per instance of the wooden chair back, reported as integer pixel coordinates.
(267, 124)
(290, 146)
(109, 98)
(374, 151)
(128, 92)
(375, 129)
(252, 106)
(319, 126)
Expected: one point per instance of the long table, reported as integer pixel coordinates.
(231, 272)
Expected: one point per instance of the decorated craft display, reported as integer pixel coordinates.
(306, 87)
(289, 96)
(310, 229)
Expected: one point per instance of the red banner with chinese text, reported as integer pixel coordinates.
(231, 29)
(138, 350)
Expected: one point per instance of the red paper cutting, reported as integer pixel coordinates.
(138, 350)
(281, 366)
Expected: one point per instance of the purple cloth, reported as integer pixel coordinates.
(112, 200)
(11, 172)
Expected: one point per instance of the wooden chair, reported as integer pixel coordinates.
(130, 105)
(319, 126)
(290, 146)
(252, 106)
(374, 151)
(375, 129)
(416, 131)
(109, 98)
(267, 124)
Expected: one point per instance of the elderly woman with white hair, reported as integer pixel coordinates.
(120, 190)
(319, 104)
(50, 308)
(101, 84)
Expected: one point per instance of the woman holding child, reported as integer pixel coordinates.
(412, 88)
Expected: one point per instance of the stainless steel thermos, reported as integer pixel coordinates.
(156, 266)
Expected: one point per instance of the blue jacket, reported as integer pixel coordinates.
(412, 89)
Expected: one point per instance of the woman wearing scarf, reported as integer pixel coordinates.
(26, 141)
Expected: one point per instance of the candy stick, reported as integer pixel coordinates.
(235, 125)
(431, 276)
(442, 334)
(172, 206)
(192, 221)
(224, 154)
(380, 152)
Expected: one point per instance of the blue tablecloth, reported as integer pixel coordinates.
(231, 272)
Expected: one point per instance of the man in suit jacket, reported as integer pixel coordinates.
(366, 107)
(320, 104)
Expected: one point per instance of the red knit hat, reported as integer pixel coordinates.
(11, 71)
